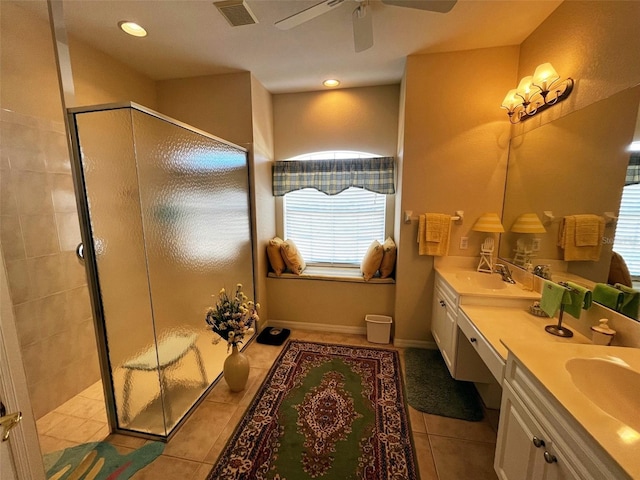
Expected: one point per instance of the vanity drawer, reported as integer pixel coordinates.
(447, 292)
(489, 356)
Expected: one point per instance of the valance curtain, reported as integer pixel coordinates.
(633, 170)
(334, 176)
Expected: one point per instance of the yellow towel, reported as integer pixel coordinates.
(567, 240)
(437, 227)
(587, 230)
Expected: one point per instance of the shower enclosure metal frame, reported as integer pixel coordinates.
(87, 253)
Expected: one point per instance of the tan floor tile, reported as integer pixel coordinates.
(461, 459)
(200, 432)
(100, 435)
(49, 421)
(424, 458)
(52, 444)
(94, 392)
(225, 435)
(81, 407)
(203, 472)
(75, 429)
(417, 421)
(125, 440)
(167, 468)
(455, 428)
(222, 393)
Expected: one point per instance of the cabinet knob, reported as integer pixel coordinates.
(538, 442)
(549, 458)
(442, 304)
(473, 340)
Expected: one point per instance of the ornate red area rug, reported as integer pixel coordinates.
(324, 412)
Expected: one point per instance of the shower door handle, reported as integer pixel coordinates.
(80, 251)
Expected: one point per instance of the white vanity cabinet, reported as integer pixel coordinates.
(443, 321)
(536, 439)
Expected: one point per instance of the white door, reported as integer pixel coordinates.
(20, 456)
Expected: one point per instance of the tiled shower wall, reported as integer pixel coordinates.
(39, 232)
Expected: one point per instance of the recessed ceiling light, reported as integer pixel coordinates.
(132, 28)
(331, 82)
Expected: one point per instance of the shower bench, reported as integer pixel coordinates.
(170, 350)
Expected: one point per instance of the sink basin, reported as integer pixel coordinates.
(610, 384)
(482, 281)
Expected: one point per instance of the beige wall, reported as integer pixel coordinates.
(361, 119)
(262, 198)
(594, 42)
(217, 104)
(455, 157)
(99, 78)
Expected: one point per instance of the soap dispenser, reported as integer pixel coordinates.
(602, 334)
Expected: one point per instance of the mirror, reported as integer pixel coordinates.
(574, 165)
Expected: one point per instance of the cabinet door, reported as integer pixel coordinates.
(524, 451)
(442, 328)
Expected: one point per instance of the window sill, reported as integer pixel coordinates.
(333, 274)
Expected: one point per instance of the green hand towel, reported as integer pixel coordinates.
(630, 300)
(553, 295)
(580, 299)
(607, 295)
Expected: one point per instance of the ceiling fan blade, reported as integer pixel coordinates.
(362, 28)
(307, 14)
(441, 6)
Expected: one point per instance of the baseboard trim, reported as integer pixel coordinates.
(318, 327)
(323, 327)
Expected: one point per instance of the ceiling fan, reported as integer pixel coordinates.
(361, 16)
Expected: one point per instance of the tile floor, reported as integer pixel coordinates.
(446, 449)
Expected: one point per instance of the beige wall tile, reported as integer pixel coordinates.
(68, 227)
(11, 238)
(40, 318)
(56, 152)
(18, 278)
(33, 193)
(8, 203)
(40, 235)
(45, 276)
(63, 193)
(78, 304)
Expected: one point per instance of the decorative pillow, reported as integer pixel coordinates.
(388, 258)
(371, 261)
(275, 257)
(292, 257)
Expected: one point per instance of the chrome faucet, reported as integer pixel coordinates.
(503, 270)
(543, 271)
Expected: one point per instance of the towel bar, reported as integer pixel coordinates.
(408, 217)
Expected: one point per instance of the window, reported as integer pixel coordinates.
(627, 238)
(336, 229)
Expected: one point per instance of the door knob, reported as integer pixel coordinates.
(8, 422)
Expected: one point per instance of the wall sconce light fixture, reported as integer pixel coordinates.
(489, 223)
(536, 93)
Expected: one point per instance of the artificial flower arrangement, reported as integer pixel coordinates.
(232, 317)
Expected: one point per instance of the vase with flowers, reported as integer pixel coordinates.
(233, 317)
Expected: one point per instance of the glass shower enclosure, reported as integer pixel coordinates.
(166, 223)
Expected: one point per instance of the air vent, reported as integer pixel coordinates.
(236, 12)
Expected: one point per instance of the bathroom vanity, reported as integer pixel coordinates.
(549, 428)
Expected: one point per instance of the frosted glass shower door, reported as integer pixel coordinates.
(169, 219)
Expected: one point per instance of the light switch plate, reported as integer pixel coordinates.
(464, 243)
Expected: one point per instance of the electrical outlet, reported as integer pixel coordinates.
(464, 243)
(535, 245)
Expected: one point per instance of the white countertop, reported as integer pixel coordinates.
(464, 282)
(546, 362)
(501, 324)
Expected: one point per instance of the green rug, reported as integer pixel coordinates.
(324, 412)
(431, 389)
(98, 461)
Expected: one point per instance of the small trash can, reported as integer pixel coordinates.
(378, 328)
